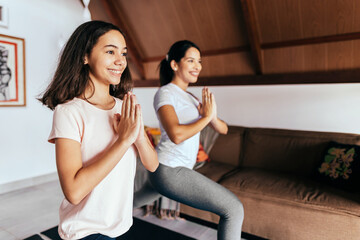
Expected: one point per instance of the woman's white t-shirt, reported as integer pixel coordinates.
(107, 209)
(185, 105)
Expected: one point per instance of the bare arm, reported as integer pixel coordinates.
(216, 123)
(76, 180)
(147, 154)
(219, 125)
(180, 132)
(146, 151)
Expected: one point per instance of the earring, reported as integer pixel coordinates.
(175, 69)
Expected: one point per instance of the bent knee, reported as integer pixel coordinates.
(236, 210)
(240, 210)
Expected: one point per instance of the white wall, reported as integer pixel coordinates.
(319, 107)
(24, 151)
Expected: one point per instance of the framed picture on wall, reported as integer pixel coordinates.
(12, 71)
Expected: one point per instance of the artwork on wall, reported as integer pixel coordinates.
(12, 71)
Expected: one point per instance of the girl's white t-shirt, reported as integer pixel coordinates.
(107, 209)
(185, 106)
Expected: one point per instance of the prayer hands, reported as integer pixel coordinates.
(129, 124)
(208, 106)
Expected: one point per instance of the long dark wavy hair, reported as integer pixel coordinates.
(177, 52)
(72, 75)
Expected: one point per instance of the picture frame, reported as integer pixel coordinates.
(12, 71)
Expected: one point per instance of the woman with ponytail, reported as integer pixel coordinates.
(182, 117)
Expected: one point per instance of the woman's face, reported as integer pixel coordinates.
(189, 67)
(107, 59)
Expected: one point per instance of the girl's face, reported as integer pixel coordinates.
(107, 59)
(189, 67)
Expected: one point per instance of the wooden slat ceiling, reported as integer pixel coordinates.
(243, 42)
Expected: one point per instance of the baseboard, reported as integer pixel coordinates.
(29, 182)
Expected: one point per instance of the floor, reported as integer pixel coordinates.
(184, 227)
(29, 211)
(35, 209)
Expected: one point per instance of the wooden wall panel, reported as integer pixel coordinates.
(356, 17)
(204, 34)
(227, 65)
(356, 54)
(211, 24)
(134, 74)
(151, 70)
(284, 60)
(339, 55)
(335, 56)
(228, 23)
(186, 16)
(313, 18)
(339, 17)
(221, 65)
(173, 30)
(146, 24)
(290, 23)
(267, 19)
(315, 58)
(283, 20)
(97, 11)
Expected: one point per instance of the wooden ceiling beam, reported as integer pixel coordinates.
(116, 15)
(345, 76)
(253, 34)
(207, 53)
(315, 40)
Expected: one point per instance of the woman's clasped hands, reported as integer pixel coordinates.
(208, 106)
(129, 124)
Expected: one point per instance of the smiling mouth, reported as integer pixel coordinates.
(115, 71)
(194, 73)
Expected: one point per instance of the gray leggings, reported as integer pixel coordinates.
(194, 189)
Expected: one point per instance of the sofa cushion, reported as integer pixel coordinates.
(290, 189)
(227, 148)
(215, 171)
(340, 166)
(289, 151)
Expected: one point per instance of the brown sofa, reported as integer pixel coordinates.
(272, 173)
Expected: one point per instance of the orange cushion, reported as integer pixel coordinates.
(153, 134)
(202, 155)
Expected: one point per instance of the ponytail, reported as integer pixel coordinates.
(166, 73)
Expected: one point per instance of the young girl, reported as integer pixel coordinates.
(182, 118)
(95, 133)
